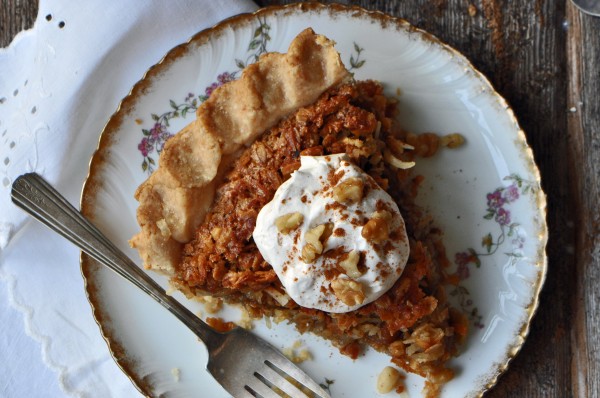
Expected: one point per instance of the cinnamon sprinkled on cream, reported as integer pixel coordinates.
(351, 245)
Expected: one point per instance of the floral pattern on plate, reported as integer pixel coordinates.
(154, 138)
(497, 211)
(438, 89)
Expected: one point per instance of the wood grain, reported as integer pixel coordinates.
(543, 56)
(15, 15)
(583, 72)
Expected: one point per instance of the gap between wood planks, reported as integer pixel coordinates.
(583, 71)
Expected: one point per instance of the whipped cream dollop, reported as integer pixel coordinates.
(335, 238)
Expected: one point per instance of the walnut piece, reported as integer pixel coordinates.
(310, 253)
(388, 380)
(348, 291)
(350, 264)
(327, 232)
(315, 238)
(376, 230)
(383, 214)
(349, 191)
(288, 222)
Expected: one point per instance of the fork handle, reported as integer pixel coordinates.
(38, 198)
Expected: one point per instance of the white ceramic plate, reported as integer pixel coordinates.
(485, 196)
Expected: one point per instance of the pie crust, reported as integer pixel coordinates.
(175, 198)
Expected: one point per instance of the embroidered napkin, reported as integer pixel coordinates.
(59, 84)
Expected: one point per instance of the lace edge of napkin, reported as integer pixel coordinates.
(45, 342)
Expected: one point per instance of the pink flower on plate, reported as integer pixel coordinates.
(518, 242)
(463, 271)
(223, 78)
(511, 193)
(503, 216)
(495, 199)
(463, 258)
(145, 146)
(160, 143)
(211, 88)
(156, 132)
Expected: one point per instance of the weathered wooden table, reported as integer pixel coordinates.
(543, 56)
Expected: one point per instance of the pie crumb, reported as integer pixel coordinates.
(170, 290)
(176, 372)
(390, 379)
(212, 305)
(297, 354)
(245, 319)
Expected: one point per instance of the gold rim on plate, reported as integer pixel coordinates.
(125, 107)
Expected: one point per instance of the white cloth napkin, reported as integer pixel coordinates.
(59, 84)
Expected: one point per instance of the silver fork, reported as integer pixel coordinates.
(244, 364)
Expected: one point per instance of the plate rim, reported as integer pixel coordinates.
(125, 105)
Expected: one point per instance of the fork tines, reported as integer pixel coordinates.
(271, 381)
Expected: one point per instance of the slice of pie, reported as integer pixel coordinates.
(289, 115)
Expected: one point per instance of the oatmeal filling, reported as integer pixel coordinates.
(412, 321)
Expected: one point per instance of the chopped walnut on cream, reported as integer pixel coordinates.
(315, 238)
(288, 222)
(376, 230)
(342, 254)
(313, 246)
(348, 291)
(350, 264)
(310, 253)
(382, 214)
(349, 191)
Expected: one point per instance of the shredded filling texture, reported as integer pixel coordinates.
(412, 322)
